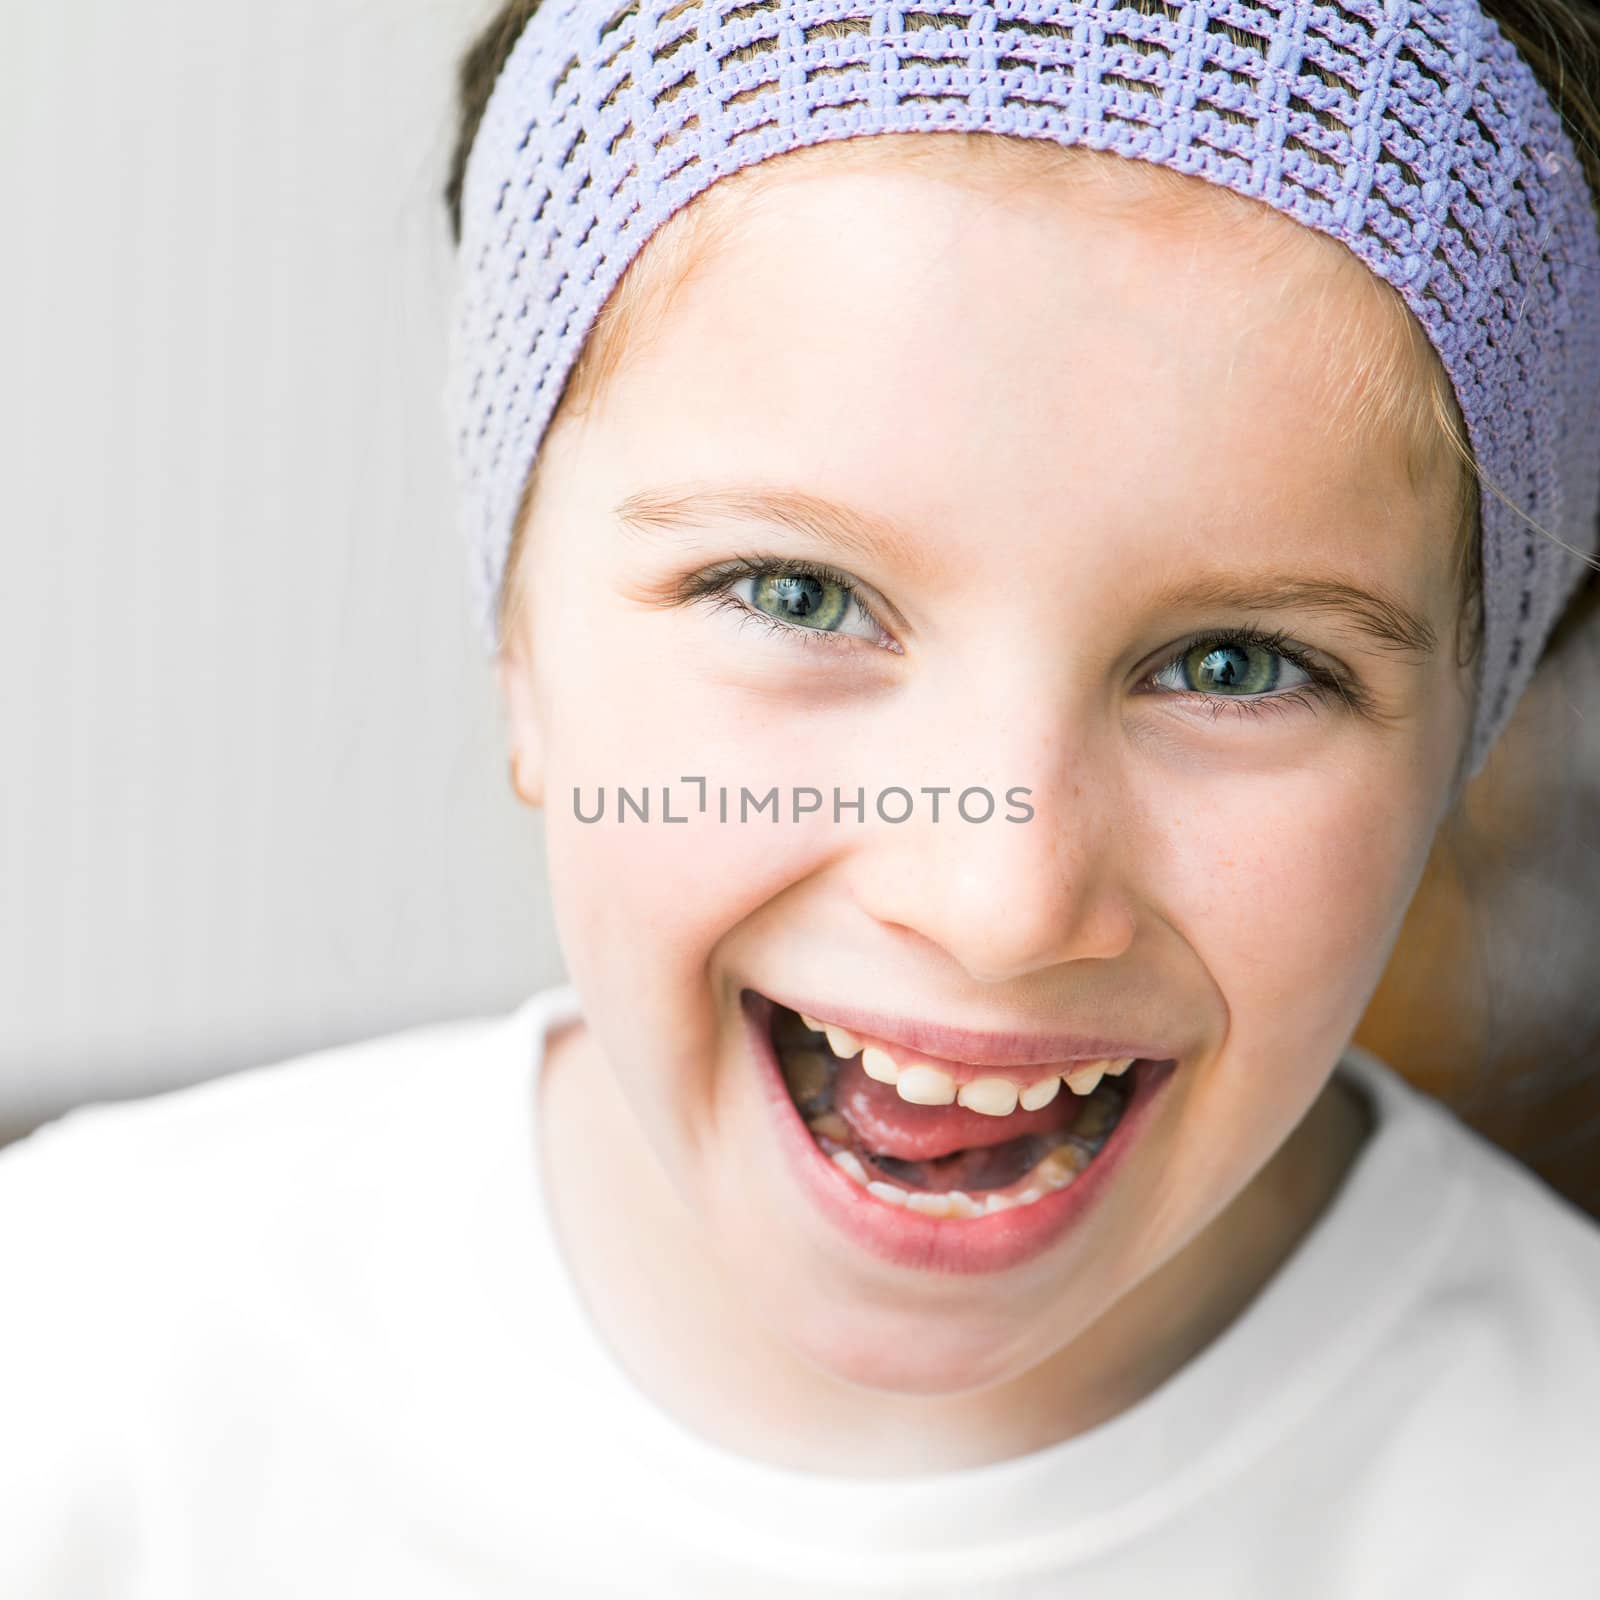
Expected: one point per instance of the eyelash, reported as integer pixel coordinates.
(715, 584)
(1327, 684)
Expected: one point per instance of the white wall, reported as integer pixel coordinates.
(253, 797)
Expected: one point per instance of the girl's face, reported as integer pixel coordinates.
(1040, 451)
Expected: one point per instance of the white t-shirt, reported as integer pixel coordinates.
(304, 1331)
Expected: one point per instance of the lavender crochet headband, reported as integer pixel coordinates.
(1444, 167)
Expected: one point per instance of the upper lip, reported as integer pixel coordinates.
(981, 1047)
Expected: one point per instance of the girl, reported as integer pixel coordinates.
(994, 623)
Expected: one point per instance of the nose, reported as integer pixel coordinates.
(1003, 898)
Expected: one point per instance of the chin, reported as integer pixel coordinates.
(911, 1345)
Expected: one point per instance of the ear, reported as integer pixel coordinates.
(524, 728)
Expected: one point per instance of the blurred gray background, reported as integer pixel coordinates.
(253, 794)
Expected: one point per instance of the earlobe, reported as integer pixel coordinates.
(527, 788)
(523, 730)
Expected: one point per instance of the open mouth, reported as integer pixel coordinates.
(943, 1138)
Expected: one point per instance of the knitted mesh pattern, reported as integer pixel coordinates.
(1414, 133)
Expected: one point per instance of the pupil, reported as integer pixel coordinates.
(1228, 666)
(1224, 667)
(799, 596)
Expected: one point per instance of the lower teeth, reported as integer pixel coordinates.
(1053, 1171)
(809, 1074)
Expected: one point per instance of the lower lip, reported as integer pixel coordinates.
(941, 1244)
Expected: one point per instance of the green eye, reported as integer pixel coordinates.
(1251, 672)
(1232, 668)
(797, 600)
(800, 598)
(1244, 669)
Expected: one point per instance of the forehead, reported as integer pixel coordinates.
(1156, 359)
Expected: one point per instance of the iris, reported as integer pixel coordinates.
(1228, 668)
(799, 597)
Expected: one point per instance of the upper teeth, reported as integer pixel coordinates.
(879, 1064)
(994, 1097)
(924, 1084)
(841, 1041)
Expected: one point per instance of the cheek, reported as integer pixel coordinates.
(647, 901)
(1288, 892)
(1292, 891)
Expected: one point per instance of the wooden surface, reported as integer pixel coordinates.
(1491, 999)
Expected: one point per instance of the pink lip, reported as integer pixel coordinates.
(984, 1049)
(958, 1245)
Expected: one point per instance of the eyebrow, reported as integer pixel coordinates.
(860, 533)
(1380, 615)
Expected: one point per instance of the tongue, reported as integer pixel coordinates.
(996, 1166)
(885, 1123)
